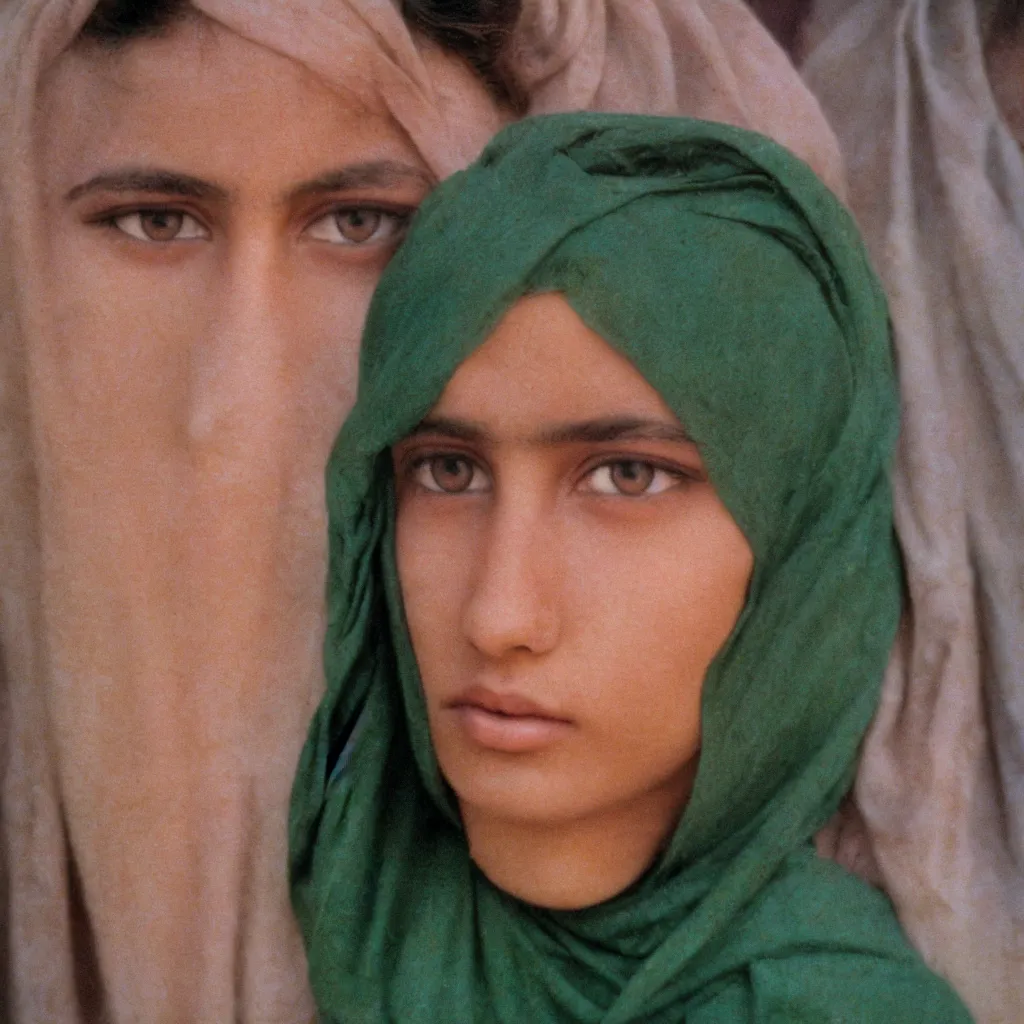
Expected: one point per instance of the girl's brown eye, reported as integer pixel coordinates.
(359, 225)
(161, 225)
(632, 478)
(450, 473)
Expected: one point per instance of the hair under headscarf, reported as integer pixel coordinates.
(736, 284)
(190, 845)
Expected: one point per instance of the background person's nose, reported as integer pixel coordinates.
(239, 377)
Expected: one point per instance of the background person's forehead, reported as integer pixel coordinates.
(207, 98)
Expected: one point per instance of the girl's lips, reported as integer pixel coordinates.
(512, 704)
(507, 722)
(511, 734)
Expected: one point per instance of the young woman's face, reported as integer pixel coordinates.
(568, 574)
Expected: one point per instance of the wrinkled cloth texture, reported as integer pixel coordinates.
(736, 283)
(937, 185)
(146, 769)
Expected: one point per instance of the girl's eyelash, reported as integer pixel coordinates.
(412, 472)
(412, 463)
(417, 459)
(671, 468)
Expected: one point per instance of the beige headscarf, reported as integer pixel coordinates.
(155, 700)
(937, 183)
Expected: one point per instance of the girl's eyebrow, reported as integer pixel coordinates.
(596, 431)
(615, 428)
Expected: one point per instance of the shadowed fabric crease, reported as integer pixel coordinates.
(937, 176)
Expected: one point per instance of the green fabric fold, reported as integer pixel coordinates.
(736, 283)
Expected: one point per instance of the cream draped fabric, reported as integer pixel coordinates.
(146, 770)
(937, 183)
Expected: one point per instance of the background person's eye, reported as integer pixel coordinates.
(632, 478)
(159, 225)
(358, 225)
(449, 474)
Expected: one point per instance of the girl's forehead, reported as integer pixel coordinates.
(543, 366)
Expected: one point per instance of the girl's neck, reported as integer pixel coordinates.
(575, 864)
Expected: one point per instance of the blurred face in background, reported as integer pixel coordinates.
(215, 219)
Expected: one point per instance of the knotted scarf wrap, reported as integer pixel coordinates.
(734, 281)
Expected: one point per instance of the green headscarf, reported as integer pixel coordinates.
(737, 285)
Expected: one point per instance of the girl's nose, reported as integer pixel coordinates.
(513, 603)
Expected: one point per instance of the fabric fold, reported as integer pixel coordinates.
(937, 184)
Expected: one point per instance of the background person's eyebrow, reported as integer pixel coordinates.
(615, 429)
(142, 179)
(376, 174)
